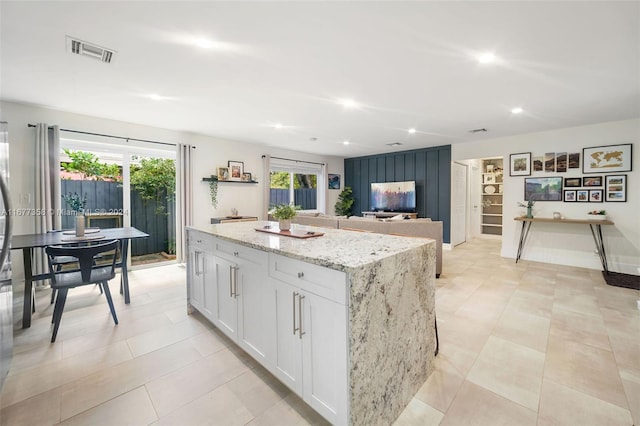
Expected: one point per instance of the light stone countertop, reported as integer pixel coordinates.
(336, 249)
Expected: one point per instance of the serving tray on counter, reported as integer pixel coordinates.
(293, 233)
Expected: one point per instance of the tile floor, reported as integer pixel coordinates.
(520, 344)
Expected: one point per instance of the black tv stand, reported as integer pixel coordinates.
(381, 215)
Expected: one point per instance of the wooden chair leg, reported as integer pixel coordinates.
(107, 294)
(60, 301)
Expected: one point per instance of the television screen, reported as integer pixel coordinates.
(394, 197)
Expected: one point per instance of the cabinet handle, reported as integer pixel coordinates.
(199, 241)
(230, 281)
(300, 332)
(300, 274)
(197, 263)
(235, 281)
(294, 313)
(235, 253)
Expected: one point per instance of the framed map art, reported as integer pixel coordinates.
(607, 159)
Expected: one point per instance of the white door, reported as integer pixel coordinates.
(459, 204)
(288, 355)
(209, 291)
(227, 315)
(195, 278)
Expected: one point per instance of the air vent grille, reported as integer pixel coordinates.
(482, 130)
(83, 48)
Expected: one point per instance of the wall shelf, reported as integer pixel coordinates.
(215, 179)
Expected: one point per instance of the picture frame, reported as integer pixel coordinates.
(543, 189)
(550, 162)
(561, 162)
(582, 195)
(236, 169)
(520, 164)
(489, 168)
(574, 160)
(223, 173)
(595, 195)
(246, 177)
(592, 181)
(615, 188)
(538, 164)
(569, 195)
(488, 178)
(573, 182)
(334, 181)
(608, 158)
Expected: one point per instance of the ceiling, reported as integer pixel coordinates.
(407, 65)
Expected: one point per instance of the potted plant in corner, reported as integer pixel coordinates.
(77, 203)
(284, 213)
(344, 205)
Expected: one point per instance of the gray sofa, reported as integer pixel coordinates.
(422, 228)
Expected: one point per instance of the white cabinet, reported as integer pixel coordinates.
(200, 265)
(311, 335)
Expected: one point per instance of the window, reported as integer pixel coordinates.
(297, 182)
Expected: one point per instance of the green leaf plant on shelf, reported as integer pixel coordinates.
(597, 215)
(529, 206)
(213, 191)
(76, 202)
(284, 213)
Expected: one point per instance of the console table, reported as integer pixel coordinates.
(594, 225)
(379, 215)
(228, 219)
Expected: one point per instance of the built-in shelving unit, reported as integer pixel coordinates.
(491, 188)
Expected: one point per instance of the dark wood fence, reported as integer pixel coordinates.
(104, 207)
(306, 198)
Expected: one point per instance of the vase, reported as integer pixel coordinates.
(79, 225)
(530, 212)
(284, 224)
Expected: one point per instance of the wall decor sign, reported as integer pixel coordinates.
(574, 160)
(592, 181)
(543, 189)
(538, 164)
(605, 159)
(561, 162)
(520, 164)
(334, 181)
(582, 195)
(236, 169)
(550, 162)
(569, 195)
(572, 182)
(615, 188)
(595, 195)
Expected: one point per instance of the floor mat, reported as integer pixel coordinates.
(622, 280)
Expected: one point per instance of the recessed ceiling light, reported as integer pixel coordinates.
(346, 142)
(486, 58)
(516, 110)
(278, 126)
(156, 97)
(203, 43)
(349, 103)
(412, 131)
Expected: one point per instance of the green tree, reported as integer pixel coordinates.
(155, 179)
(89, 165)
(280, 180)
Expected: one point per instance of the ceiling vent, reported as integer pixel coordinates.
(79, 47)
(482, 130)
(394, 144)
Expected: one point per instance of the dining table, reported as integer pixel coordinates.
(28, 243)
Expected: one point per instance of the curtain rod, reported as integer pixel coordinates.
(297, 161)
(112, 136)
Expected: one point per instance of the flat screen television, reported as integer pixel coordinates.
(394, 197)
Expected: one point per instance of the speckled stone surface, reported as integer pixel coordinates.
(391, 308)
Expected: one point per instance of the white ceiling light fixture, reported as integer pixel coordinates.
(486, 58)
(156, 97)
(349, 103)
(203, 43)
(90, 50)
(412, 131)
(517, 110)
(345, 143)
(278, 126)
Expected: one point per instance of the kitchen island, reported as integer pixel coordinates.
(346, 319)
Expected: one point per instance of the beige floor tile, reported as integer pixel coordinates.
(578, 327)
(584, 368)
(461, 359)
(131, 408)
(218, 407)
(460, 331)
(525, 329)
(258, 390)
(290, 411)
(418, 413)
(182, 386)
(155, 339)
(37, 357)
(509, 370)
(476, 406)
(106, 384)
(631, 386)
(42, 409)
(209, 342)
(442, 385)
(560, 405)
(532, 303)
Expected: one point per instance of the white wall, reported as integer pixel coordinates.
(568, 244)
(209, 154)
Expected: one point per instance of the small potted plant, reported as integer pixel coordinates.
(529, 205)
(77, 203)
(284, 213)
(597, 215)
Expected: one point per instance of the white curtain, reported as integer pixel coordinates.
(47, 185)
(184, 183)
(266, 178)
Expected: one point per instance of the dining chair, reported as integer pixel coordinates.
(88, 273)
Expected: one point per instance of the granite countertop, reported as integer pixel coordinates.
(336, 249)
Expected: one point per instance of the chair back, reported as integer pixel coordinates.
(85, 254)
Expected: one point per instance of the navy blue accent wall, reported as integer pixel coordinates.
(429, 167)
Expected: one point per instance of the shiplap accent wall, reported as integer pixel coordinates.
(429, 167)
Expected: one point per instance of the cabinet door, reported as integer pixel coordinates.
(288, 350)
(209, 291)
(195, 279)
(227, 309)
(324, 356)
(256, 312)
